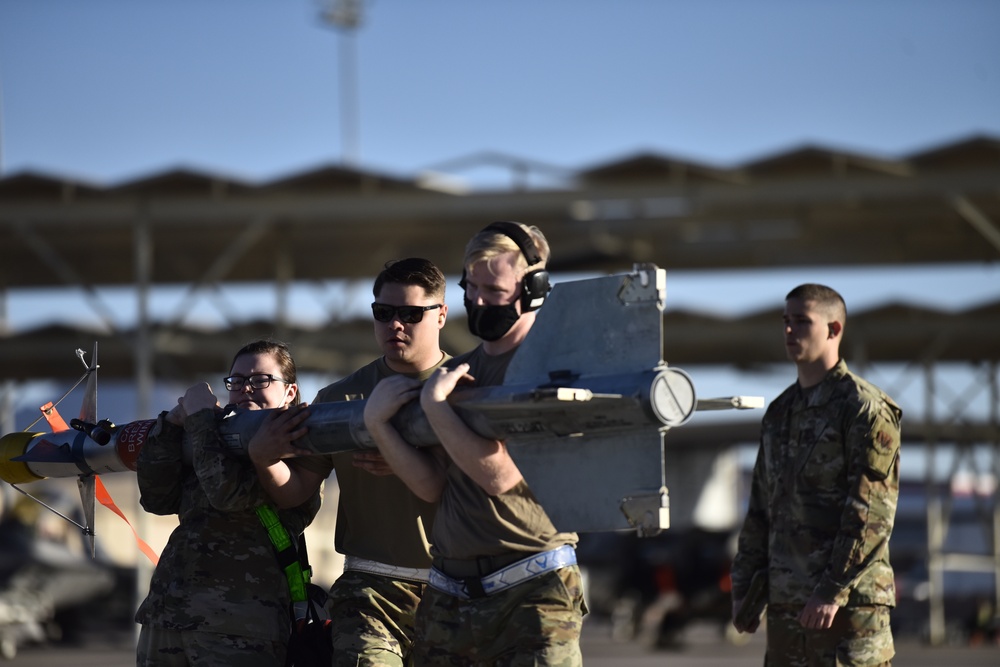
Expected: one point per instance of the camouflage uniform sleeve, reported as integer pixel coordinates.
(229, 482)
(752, 551)
(872, 439)
(158, 468)
(298, 518)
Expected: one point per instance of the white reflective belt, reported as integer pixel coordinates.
(513, 574)
(392, 571)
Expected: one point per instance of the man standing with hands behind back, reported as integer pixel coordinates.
(822, 503)
(504, 586)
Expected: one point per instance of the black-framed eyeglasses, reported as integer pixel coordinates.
(257, 381)
(383, 312)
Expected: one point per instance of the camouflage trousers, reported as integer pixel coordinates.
(859, 637)
(169, 648)
(536, 622)
(372, 619)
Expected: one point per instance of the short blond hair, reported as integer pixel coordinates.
(491, 243)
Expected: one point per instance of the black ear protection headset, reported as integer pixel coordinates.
(535, 283)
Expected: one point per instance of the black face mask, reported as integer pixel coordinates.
(490, 323)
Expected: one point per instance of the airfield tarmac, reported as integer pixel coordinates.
(701, 647)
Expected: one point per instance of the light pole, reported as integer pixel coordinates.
(345, 17)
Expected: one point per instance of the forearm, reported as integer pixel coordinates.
(752, 550)
(419, 469)
(285, 485)
(486, 462)
(865, 528)
(159, 468)
(868, 514)
(297, 519)
(751, 556)
(229, 483)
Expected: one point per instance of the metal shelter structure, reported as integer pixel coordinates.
(803, 207)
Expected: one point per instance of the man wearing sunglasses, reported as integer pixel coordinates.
(382, 527)
(504, 587)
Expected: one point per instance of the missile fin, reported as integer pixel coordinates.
(45, 451)
(88, 408)
(584, 481)
(88, 492)
(600, 326)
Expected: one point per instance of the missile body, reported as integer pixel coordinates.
(28, 457)
(574, 406)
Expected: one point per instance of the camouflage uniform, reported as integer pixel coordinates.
(536, 621)
(217, 595)
(822, 505)
(378, 519)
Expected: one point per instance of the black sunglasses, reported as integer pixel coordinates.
(383, 312)
(257, 381)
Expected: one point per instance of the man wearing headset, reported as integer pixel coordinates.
(504, 585)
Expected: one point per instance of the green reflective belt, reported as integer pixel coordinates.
(288, 558)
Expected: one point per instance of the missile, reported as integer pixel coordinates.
(29, 457)
(605, 404)
(583, 409)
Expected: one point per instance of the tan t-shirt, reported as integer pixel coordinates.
(378, 517)
(470, 522)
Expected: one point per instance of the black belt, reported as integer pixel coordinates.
(460, 568)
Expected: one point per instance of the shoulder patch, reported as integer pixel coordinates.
(884, 443)
(884, 439)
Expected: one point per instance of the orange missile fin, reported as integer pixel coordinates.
(105, 499)
(53, 417)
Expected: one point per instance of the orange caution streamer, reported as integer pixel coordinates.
(103, 497)
(53, 418)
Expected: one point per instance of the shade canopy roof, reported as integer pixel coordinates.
(891, 333)
(806, 206)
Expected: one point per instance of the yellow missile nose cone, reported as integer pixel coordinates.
(12, 446)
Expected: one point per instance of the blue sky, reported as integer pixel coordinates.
(112, 90)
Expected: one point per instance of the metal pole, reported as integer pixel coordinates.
(9, 386)
(143, 347)
(995, 455)
(345, 16)
(348, 98)
(7, 416)
(143, 248)
(935, 533)
(284, 274)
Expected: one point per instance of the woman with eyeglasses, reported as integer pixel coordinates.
(218, 595)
